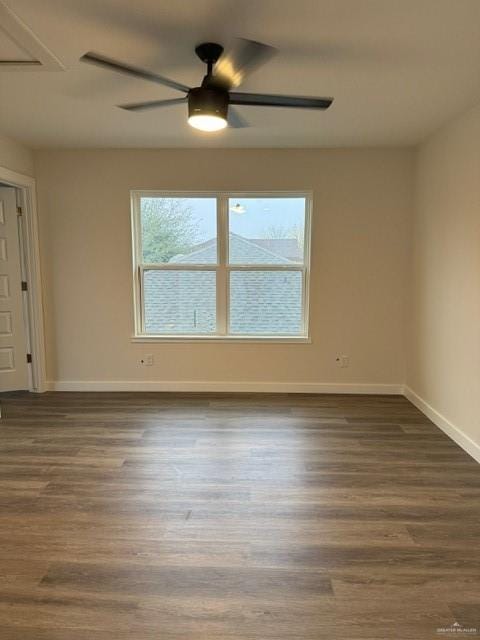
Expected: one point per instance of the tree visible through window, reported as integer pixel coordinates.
(168, 228)
(220, 265)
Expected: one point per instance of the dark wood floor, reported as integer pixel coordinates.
(175, 517)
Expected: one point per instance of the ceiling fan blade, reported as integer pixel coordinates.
(120, 67)
(235, 120)
(266, 100)
(152, 104)
(244, 57)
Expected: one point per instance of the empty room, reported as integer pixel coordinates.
(239, 319)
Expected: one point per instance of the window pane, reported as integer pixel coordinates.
(179, 302)
(266, 230)
(179, 230)
(266, 302)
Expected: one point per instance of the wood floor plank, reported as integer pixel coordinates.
(187, 582)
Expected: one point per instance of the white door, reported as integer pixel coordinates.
(13, 351)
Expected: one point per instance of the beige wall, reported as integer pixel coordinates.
(362, 202)
(444, 353)
(15, 156)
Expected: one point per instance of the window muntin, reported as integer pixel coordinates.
(224, 276)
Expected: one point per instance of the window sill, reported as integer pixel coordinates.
(223, 339)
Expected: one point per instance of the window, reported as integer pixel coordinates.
(221, 266)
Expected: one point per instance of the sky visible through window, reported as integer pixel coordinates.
(265, 217)
(251, 219)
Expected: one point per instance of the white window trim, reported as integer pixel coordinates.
(222, 268)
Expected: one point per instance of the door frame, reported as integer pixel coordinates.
(26, 188)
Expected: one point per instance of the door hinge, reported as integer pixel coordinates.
(24, 286)
(19, 211)
(29, 358)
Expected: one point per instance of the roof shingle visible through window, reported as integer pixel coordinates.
(262, 302)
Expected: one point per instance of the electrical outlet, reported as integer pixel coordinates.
(342, 361)
(147, 360)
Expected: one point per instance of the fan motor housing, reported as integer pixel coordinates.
(208, 102)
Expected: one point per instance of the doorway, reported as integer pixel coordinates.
(14, 322)
(22, 350)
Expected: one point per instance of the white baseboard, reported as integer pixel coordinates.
(453, 432)
(218, 387)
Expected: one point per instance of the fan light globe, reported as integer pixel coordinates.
(207, 108)
(207, 122)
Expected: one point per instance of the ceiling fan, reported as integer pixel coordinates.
(210, 104)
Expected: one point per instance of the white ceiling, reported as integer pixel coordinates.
(397, 69)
